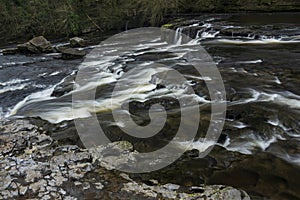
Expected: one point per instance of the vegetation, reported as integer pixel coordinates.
(63, 18)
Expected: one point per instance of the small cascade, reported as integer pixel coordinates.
(178, 36)
(198, 34)
(209, 34)
(195, 31)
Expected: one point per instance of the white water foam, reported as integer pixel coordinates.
(54, 73)
(277, 80)
(178, 36)
(201, 145)
(251, 62)
(262, 41)
(203, 78)
(13, 88)
(247, 144)
(35, 97)
(275, 98)
(240, 125)
(13, 82)
(42, 75)
(288, 131)
(209, 34)
(143, 92)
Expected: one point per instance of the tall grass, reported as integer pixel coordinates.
(58, 18)
(71, 17)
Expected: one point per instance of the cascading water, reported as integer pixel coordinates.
(260, 69)
(178, 36)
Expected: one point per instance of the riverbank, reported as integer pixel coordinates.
(62, 19)
(36, 166)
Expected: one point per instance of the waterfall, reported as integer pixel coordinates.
(210, 34)
(178, 36)
(198, 34)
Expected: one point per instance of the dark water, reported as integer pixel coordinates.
(258, 56)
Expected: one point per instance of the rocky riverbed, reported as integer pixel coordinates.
(35, 166)
(258, 150)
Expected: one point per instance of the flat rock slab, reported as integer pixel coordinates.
(70, 53)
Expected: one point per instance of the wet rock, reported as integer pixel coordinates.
(10, 51)
(62, 89)
(77, 42)
(65, 87)
(41, 44)
(236, 32)
(36, 45)
(22, 48)
(171, 191)
(71, 53)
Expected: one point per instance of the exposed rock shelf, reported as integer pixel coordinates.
(33, 165)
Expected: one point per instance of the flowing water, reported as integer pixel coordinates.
(258, 56)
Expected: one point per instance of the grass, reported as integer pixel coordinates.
(65, 18)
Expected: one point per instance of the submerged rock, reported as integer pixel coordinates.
(70, 53)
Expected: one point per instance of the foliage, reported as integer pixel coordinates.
(70, 17)
(57, 18)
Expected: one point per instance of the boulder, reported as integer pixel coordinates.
(36, 45)
(10, 51)
(32, 49)
(77, 42)
(41, 44)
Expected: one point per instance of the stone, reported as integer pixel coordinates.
(71, 53)
(73, 173)
(77, 42)
(32, 49)
(36, 45)
(99, 186)
(5, 182)
(23, 190)
(86, 186)
(22, 48)
(65, 87)
(41, 44)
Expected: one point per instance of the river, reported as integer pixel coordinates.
(258, 56)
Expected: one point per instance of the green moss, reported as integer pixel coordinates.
(167, 26)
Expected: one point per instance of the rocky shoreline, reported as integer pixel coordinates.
(40, 45)
(36, 166)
